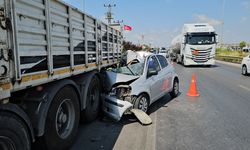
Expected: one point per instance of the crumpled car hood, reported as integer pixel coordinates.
(113, 78)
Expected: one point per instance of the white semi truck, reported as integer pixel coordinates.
(51, 59)
(196, 45)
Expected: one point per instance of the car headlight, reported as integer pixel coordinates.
(120, 91)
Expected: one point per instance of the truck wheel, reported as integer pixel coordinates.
(175, 91)
(62, 120)
(182, 61)
(92, 101)
(142, 102)
(244, 70)
(13, 133)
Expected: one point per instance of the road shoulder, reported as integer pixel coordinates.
(228, 63)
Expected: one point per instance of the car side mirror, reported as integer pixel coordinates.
(152, 72)
(184, 40)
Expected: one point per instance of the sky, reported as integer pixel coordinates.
(160, 21)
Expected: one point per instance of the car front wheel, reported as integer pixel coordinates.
(142, 102)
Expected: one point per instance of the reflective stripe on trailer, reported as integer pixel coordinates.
(6, 86)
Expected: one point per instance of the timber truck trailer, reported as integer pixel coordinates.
(51, 59)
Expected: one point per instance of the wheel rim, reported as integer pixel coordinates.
(143, 104)
(94, 98)
(6, 143)
(176, 88)
(65, 118)
(244, 70)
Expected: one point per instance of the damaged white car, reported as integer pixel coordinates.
(138, 84)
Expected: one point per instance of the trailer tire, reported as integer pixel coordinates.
(13, 133)
(62, 120)
(92, 109)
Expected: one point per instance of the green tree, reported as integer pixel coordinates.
(146, 47)
(243, 44)
(127, 45)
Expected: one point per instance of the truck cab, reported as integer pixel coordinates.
(198, 45)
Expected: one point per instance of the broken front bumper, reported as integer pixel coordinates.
(114, 107)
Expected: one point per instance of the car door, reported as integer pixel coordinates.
(248, 63)
(155, 80)
(166, 75)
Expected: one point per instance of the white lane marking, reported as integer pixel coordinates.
(151, 133)
(243, 87)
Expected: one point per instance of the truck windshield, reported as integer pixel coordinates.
(201, 39)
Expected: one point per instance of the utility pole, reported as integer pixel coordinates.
(109, 14)
(222, 25)
(142, 39)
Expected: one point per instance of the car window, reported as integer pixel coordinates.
(153, 64)
(162, 61)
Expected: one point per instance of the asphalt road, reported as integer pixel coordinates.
(218, 119)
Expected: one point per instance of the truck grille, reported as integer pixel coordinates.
(201, 56)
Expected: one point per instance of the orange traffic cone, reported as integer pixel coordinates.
(193, 89)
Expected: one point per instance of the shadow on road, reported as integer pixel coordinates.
(202, 66)
(101, 134)
(160, 103)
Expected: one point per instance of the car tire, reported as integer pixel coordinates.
(142, 102)
(62, 120)
(92, 102)
(175, 90)
(13, 133)
(244, 70)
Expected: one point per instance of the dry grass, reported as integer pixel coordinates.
(227, 52)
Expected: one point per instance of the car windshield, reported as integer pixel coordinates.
(133, 69)
(197, 39)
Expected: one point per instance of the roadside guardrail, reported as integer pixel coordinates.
(232, 59)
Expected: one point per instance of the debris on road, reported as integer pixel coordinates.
(142, 116)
